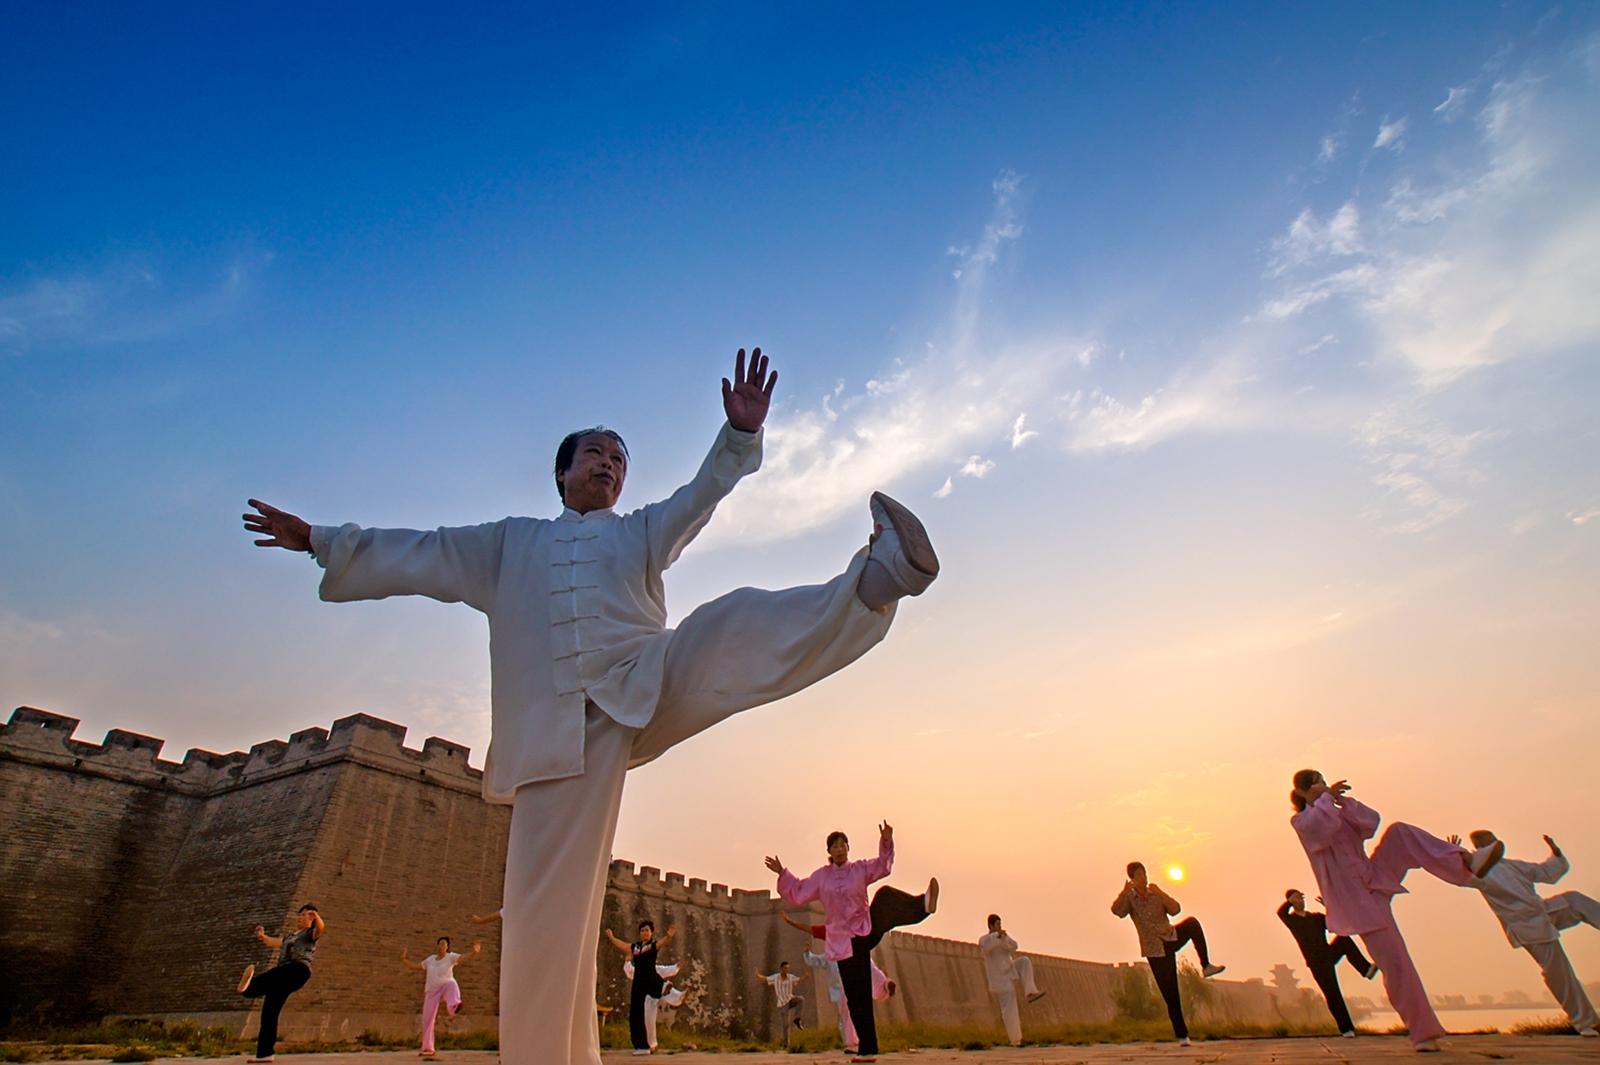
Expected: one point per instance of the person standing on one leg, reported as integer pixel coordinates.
(783, 983)
(274, 986)
(1358, 889)
(1159, 940)
(882, 987)
(588, 681)
(853, 925)
(1310, 931)
(439, 985)
(1535, 923)
(670, 996)
(1005, 968)
(647, 982)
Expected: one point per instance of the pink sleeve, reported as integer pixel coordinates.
(1364, 819)
(883, 864)
(797, 892)
(1317, 824)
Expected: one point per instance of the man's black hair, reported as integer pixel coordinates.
(1134, 867)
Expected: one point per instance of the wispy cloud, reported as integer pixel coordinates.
(1309, 238)
(1019, 435)
(958, 394)
(1451, 106)
(1391, 135)
(129, 303)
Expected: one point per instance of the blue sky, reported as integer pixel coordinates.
(1242, 362)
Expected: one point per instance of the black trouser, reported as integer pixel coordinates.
(273, 988)
(1164, 968)
(1322, 971)
(891, 908)
(642, 989)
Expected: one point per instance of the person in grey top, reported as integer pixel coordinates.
(273, 987)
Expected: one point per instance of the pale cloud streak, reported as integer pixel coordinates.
(1391, 135)
(124, 304)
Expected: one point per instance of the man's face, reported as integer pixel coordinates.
(783, 970)
(1298, 900)
(594, 480)
(303, 920)
(995, 925)
(1140, 878)
(646, 934)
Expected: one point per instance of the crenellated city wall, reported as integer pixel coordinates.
(133, 883)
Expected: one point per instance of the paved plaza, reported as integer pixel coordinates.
(1529, 1050)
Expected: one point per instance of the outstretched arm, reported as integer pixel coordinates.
(626, 948)
(493, 917)
(792, 889)
(272, 941)
(672, 523)
(792, 923)
(405, 959)
(451, 564)
(883, 864)
(672, 933)
(477, 949)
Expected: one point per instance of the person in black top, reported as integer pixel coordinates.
(274, 986)
(646, 981)
(1310, 930)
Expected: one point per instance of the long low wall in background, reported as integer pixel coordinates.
(132, 883)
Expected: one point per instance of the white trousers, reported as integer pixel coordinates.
(1010, 1015)
(745, 649)
(1567, 910)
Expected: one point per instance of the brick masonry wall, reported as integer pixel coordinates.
(133, 885)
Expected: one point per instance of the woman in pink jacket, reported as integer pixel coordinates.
(854, 927)
(1358, 889)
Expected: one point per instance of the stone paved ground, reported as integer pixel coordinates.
(1376, 1050)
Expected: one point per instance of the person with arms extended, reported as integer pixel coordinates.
(647, 982)
(854, 926)
(1151, 910)
(586, 679)
(1535, 924)
(1310, 931)
(439, 987)
(273, 987)
(1358, 889)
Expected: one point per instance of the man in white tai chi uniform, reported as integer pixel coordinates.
(587, 681)
(1535, 924)
(1005, 968)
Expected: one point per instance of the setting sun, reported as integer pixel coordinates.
(1174, 872)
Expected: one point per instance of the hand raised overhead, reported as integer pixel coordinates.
(774, 864)
(747, 397)
(283, 529)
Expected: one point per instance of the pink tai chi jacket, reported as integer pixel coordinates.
(843, 891)
(1355, 889)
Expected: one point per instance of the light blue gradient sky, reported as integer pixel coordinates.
(1242, 364)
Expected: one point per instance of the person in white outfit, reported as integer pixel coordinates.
(1005, 968)
(586, 679)
(1535, 924)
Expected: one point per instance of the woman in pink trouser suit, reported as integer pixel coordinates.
(1357, 888)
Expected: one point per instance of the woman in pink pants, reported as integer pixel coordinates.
(439, 986)
(1357, 888)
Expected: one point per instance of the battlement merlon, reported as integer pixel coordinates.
(48, 738)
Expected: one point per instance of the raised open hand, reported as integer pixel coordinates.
(747, 397)
(283, 529)
(1453, 839)
(1339, 787)
(1555, 850)
(773, 864)
(886, 832)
